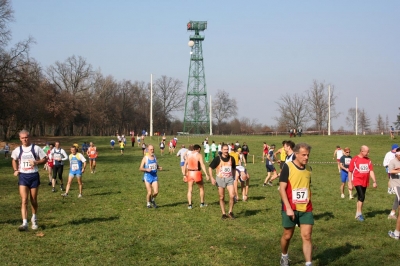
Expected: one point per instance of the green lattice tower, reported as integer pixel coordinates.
(196, 118)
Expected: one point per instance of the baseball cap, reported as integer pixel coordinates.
(395, 146)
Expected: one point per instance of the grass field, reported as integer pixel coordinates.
(111, 224)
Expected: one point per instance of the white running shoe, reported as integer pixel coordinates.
(23, 227)
(34, 224)
(342, 196)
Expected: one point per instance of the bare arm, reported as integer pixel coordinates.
(203, 167)
(285, 200)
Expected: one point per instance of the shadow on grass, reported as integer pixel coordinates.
(250, 212)
(173, 204)
(375, 213)
(13, 222)
(326, 216)
(329, 255)
(93, 220)
(257, 198)
(105, 193)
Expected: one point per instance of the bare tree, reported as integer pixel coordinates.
(292, 110)
(351, 118)
(396, 123)
(318, 104)
(224, 108)
(380, 124)
(6, 16)
(169, 94)
(364, 122)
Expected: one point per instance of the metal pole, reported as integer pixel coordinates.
(151, 105)
(329, 110)
(210, 117)
(356, 117)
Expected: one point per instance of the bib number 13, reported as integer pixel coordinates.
(300, 196)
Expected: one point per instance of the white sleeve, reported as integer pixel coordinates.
(65, 156)
(40, 152)
(15, 154)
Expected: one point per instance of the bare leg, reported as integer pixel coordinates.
(306, 231)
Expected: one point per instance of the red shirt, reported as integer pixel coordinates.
(360, 168)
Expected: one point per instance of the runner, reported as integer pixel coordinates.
(297, 208)
(26, 159)
(122, 147)
(344, 165)
(182, 153)
(112, 143)
(6, 150)
(192, 171)
(282, 156)
(59, 156)
(265, 151)
(244, 178)
(77, 167)
(245, 150)
(162, 147)
(150, 166)
(213, 149)
(50, 164)
(92, 154)
(360, 169)
(390, 155)
(394, 170)
(271, 172)
(225, 175)
(207, 152)
(338, 153)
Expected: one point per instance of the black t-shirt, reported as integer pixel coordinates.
(214, 164)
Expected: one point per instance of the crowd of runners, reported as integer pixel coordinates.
(227, 169)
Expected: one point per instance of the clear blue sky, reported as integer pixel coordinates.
(255, 50)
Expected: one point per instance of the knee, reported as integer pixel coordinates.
(306, 237)
(221, 198)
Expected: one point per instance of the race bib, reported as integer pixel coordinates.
(364, 168)
(347, 161)
(153, 166)
(226, 171)
(57, 156)
(25, 164)
(92, 152)
(300, 196)
(74, 166)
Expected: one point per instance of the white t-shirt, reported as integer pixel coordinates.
(207, 148)
(23, 164)
(182, 153)
(213, 147)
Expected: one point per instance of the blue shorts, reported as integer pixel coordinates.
(150, 179)
(344, 176)
(31, 180)
(270, 168)
(182, 163)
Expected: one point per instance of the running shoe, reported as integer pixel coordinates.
(265, 184)
(392, 217)
(270, 183)
(351, 196)
(202, 205)
(64, 194)
(149, 206)
(392, 235)
(231, 215)
(190, 207)
(49, 183)
(34, 224)
(235, 200)
(285, 261)
(23, 227)
(342, 196)
(80, 196)
(154, 203)
(224, 216)
(61, 187)
(53, 190)
(360, 218)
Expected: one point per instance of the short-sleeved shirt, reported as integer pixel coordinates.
(345, 161)
(24, 158)
(182, 153)
(393, 164)
(76, 161)
(360, 168)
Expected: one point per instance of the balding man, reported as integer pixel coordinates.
(150, 166)
(360, 169)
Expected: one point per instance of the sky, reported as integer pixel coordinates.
(256, 50)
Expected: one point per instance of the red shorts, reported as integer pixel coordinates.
(194, 176)
(265, 151)
(338, 160)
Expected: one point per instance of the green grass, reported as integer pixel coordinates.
(111, 224)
